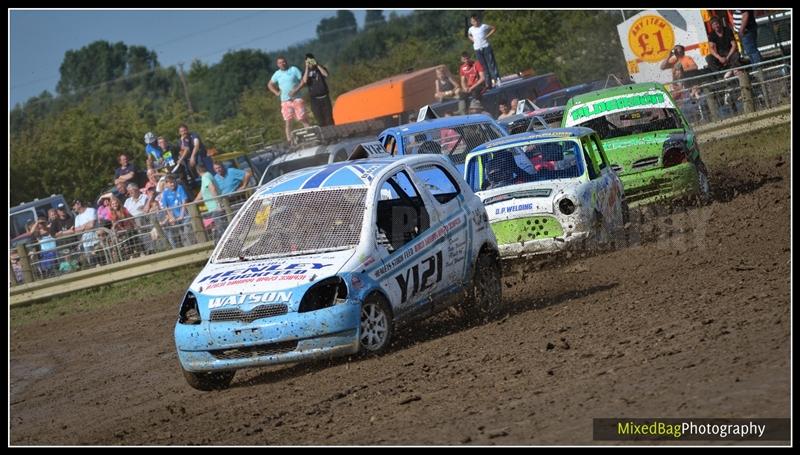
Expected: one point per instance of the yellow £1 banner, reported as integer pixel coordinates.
(651, 38)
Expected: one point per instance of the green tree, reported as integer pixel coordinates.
(374, 18)
(220, 87)
(334, 28)
(91, 65)
(579, 46)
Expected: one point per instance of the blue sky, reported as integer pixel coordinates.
(38, 39)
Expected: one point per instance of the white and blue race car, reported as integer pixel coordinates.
(547, 191)
(327, 261)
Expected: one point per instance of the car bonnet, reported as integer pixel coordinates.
(269, 275)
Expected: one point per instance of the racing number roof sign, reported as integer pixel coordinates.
(369, 149)
(648, 37)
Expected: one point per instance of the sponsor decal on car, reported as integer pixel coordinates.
(602, 107)
(513, 208)
(431, 274)
(274, 269)
(235, 300)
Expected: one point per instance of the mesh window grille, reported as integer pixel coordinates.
(454, 142)
(296, 223)
(532, 163)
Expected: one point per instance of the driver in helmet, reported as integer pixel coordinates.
(501, 171)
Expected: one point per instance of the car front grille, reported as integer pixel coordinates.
(259, 312)
(255, 351)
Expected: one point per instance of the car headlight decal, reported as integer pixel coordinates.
(189, 313)
(328, 292)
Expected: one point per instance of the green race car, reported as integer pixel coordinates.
(650, 144)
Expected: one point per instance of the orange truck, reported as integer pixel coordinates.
(399, 94)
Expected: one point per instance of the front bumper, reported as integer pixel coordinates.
(660, 185)
(293, 337)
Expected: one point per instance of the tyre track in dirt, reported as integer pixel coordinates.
(691, 320)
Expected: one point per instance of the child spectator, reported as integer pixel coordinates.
(120, 216)
(173, 198)
(47, 250)
(103, 216)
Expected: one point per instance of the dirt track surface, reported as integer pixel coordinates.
(690, 321)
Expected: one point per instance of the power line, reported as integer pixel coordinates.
(181, 38)
(142, 73)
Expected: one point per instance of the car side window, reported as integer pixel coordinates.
(438, 181)
(390, 144)
(19, 221)
(401, 213)
(589, 155)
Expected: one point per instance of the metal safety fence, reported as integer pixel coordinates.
(154, 231)
(711, 97)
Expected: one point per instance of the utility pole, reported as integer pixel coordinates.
(185, 89)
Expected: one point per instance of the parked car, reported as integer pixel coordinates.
(22, 214)
(650, 144)
(451, 136)
(561, 96)
(533, 120)
(311, 156)
(530, 87)
(547, 191)
(329, 261)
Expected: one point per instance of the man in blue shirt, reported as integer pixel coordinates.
(176, 223)
(230, 180)
(285, 83)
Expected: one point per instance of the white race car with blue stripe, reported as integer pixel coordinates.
(327, 261)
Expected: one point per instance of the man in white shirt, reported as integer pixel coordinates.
(85, 220)
(136, 200)
(479, 35)
(137, 206)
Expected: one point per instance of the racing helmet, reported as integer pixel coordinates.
(149, 138)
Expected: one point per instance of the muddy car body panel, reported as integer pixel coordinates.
(648, 140)
(288, 279)
(547, 191)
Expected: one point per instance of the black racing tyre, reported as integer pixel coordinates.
(377, 326)
(485, 292)
(704, 196)
(626, 212)
(621, 237)
(212, 380)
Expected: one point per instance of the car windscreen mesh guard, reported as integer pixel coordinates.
(296, 223)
